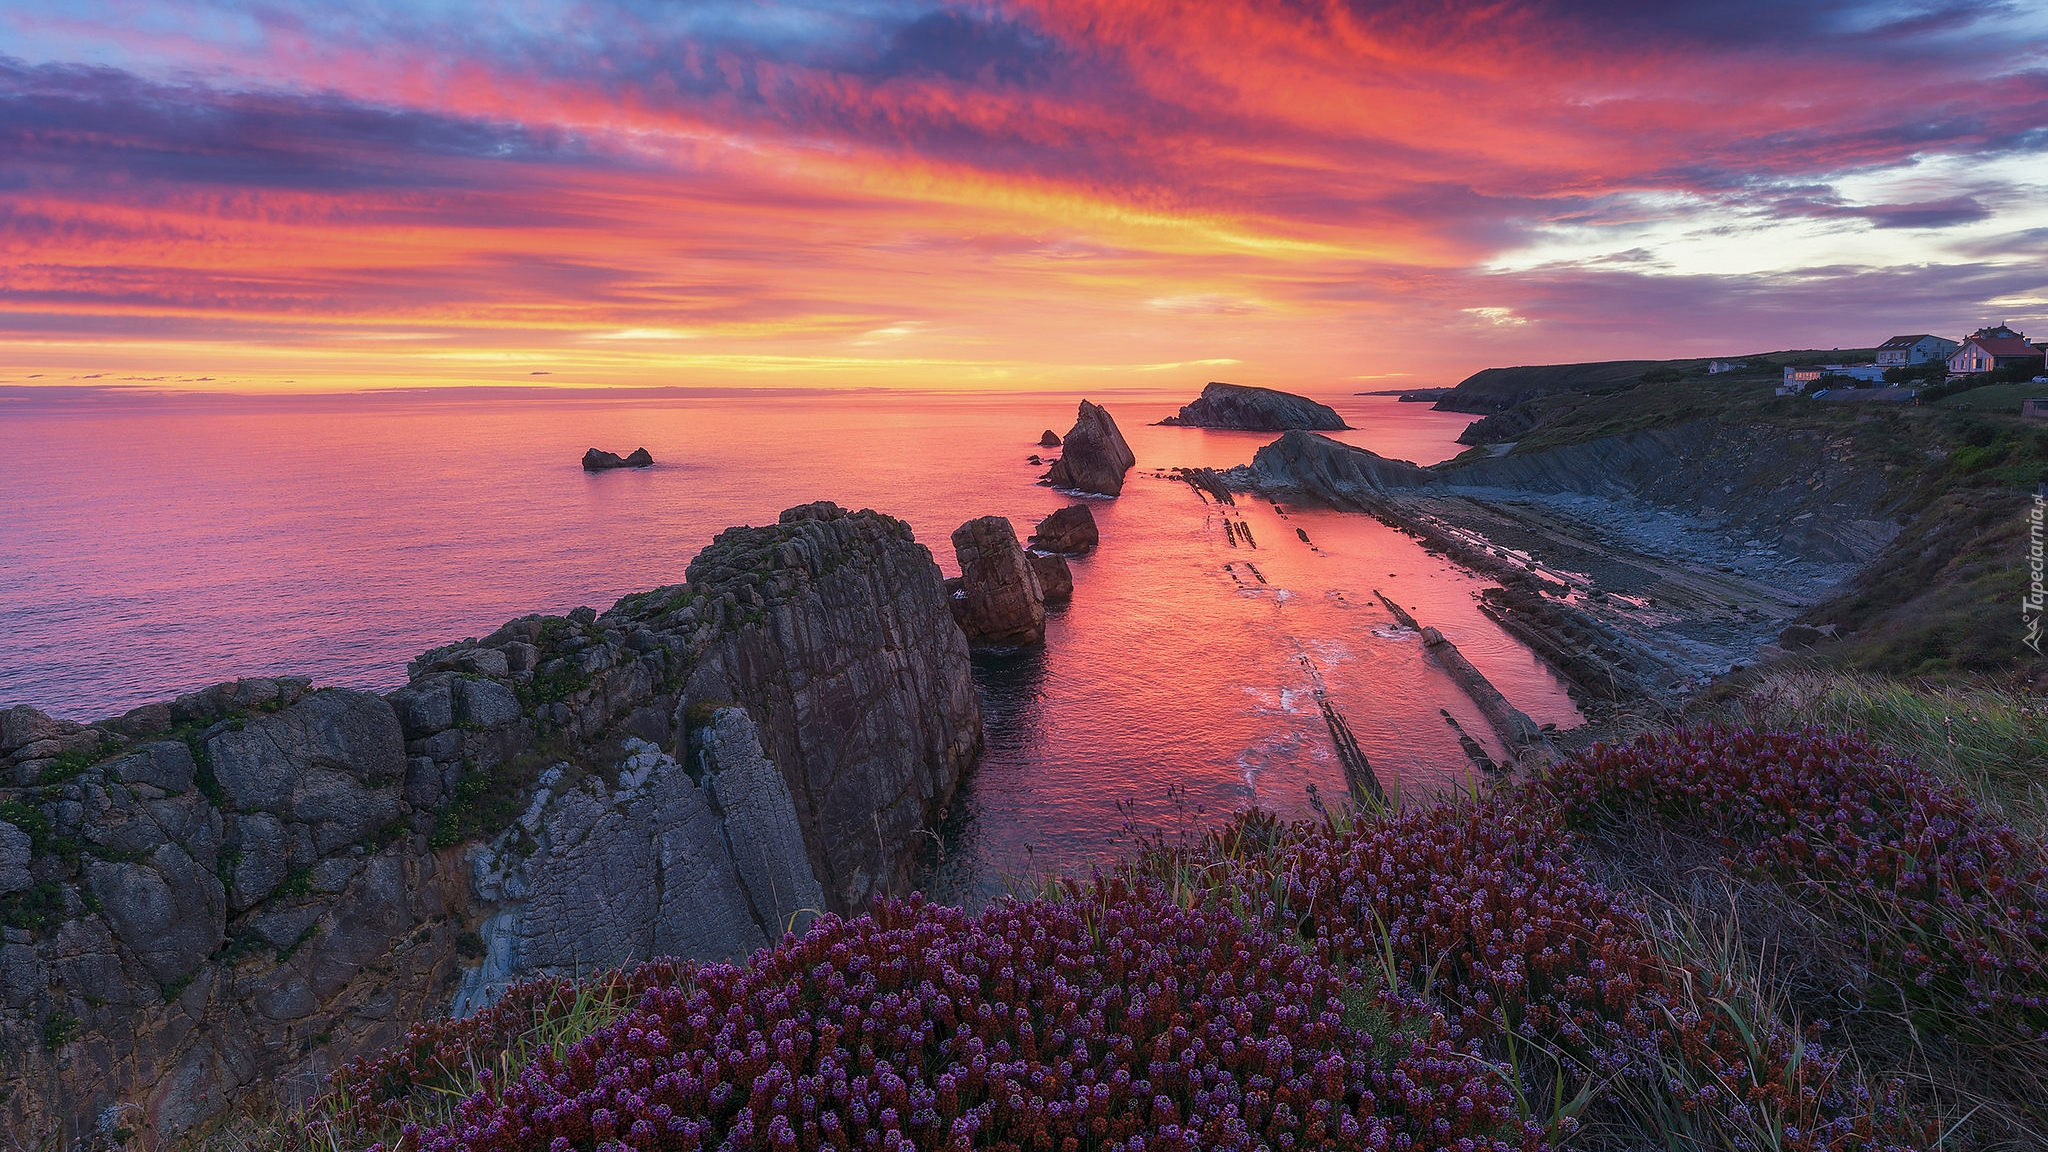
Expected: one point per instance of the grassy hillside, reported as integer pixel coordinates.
(1994, 398)
(1498, 389)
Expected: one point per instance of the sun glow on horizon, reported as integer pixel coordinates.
(929, 194)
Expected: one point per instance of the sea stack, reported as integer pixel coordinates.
(999, 601)
(598, 460)
(1069, 531)
(1241, 408)
(1095, 456)
(1051, 439)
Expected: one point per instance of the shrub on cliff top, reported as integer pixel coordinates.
(1948, 905)
(1481, 907)
(1110, 1020)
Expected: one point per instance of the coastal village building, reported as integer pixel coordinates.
(1716, 367)
(1987, 349)
(1919, 348)
(1798, 379)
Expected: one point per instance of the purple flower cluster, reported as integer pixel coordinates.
(1482, 906)
(1112, 1020)
(1950, 904)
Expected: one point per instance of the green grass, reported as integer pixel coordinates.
(1991, 741)
(1994, 397)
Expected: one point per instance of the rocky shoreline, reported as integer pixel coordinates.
(237, 890)
(1613, 556)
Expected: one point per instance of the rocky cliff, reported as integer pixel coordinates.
(1243, 408)
(1795, 491)
(243, 887)
(1094, 456)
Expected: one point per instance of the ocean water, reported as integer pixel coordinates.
(149, 546)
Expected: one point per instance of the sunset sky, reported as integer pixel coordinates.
(1018, 194)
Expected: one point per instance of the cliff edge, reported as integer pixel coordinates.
(242, 888)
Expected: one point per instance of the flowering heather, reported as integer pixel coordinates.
(1480, 905)
(443, 1057)
(1113, 1020)
(1949, 904)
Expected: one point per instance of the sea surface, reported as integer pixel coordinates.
(152, 545)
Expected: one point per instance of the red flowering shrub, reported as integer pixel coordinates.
(1949, 904)
(1113, 1020)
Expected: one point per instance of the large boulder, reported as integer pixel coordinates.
(1000, 601)
(1069, 531)
(1094, 457)
(1246, 409)
(1055, 579)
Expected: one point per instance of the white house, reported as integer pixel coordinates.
(1919, 348)
(1716, 367)
(1990, 348)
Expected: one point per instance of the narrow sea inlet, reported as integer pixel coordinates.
(147, 548)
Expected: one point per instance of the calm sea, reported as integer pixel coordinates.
(152, 545)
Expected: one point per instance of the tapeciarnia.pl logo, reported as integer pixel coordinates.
(2037, 595)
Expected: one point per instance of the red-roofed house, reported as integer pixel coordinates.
(1919, 348)
(1990, 348)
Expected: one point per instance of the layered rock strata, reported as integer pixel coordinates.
(1243, 408)
(1094, 457)
(998, 600)
(245, 886)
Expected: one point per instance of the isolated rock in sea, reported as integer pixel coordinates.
(1243, 408)
(1321, 470)
(999, 601)
(1050, 439)
(1070, 531)
(693, 772)
(1055, 579)
(1094, 456)
(597, 460)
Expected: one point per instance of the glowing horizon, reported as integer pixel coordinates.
(1000, 193)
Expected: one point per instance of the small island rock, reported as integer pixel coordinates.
(1241, 408)
(1069, 531)
(598, 460)
(1095, 457)
(999, 600)
(1051, 439)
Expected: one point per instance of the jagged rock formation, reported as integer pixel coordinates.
(1055, 579)
(998, 600)
(598, 461)
(1248, 409)
(1095, 457)
(247, 885)
(1069, 531)
(1050, 439)
(1321, 470)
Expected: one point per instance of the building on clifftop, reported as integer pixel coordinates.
(1919, 348)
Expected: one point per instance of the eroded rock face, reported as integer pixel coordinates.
(999, 600)
(848, 660)
(1069, 531)
(1237, 406)
(1094, 456)
(265, 881)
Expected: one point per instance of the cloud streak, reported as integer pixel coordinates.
(1019, 188)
